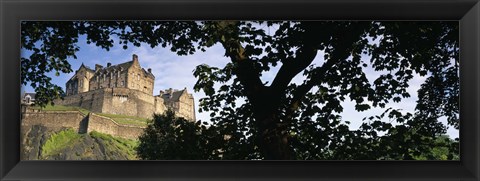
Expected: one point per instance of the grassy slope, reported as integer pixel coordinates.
(62, 108)
(63, 141)
(58, 141)
(126, 120)
(126, 146)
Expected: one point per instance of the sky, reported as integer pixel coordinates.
(173, 71)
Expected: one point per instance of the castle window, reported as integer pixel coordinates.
(111, 76)
(118, 74)
(104, 76)
(121, 83)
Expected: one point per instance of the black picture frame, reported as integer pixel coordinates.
(467, 12)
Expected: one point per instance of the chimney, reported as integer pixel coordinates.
(134, 57)
(149, 70)
(135, 60)
(98, 67)
(109, 64)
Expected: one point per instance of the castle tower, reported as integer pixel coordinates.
(138, 78)
(80, 82)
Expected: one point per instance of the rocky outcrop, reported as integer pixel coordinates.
(86, 147)
(32, 140)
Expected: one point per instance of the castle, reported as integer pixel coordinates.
(125, 89)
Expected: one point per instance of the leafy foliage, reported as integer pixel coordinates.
(282, 119)
(168, 138)
(444, 149)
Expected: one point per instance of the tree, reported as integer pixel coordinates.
(280, 119)
(444, 148)
(169, 137)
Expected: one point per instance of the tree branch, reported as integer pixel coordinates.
(302, 90)
(346, 39)
(292, 67)
(244, 69)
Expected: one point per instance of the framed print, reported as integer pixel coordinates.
(309, 90)
(131, 108)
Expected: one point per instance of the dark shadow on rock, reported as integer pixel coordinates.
(83, 125)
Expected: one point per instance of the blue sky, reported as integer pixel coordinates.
(173, 71)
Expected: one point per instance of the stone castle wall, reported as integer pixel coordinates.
(159, 105)
(116, 101)
(76, 120)
(106, 125)
(53, 119)
(186, 108)
(92, 100)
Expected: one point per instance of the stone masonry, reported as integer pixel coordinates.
(125, 89)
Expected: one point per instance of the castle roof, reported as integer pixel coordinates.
(32, 95)
(86, 68)
(146, 73)
(123, 67)
(174, 95)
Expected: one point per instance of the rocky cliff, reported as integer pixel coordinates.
(42, 143)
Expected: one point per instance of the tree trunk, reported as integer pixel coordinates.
(273, 141)
(272, 135)
(272, 132)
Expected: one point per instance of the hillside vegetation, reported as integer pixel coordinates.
(41, 143)
(126, 120)
(61, 108)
